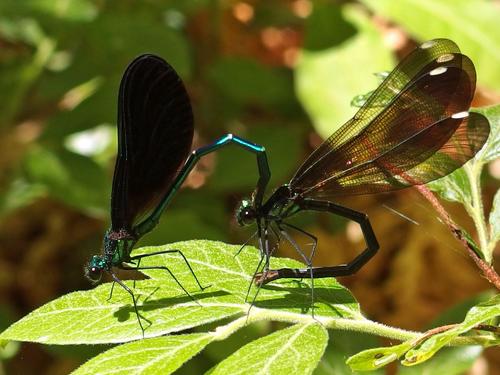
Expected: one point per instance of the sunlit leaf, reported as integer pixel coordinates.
(91, 317)
(455, 187)
(449, 361)
(477, 315)
(372, 359)
(495, 218)
(159, 355)
(415, 352)
(491, 149)
(294, 350)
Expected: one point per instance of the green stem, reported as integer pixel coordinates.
(356, 325)
(476, 210)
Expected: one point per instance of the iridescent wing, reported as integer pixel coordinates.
(423, 132)
(155, 132)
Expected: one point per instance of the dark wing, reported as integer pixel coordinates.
(155, 132)
(423, 133)
(409, 69)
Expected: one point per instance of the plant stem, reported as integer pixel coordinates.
(360, 324)
(476, 211)
(488, 271)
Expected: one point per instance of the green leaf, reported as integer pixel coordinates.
(455, 187)
(160, 355)
(129, 37)
(25, 30)
(473, 25)
(415, 351)
(91, 317)
(449, 361)
(20, 193)
(495, 219)
(373, 359)
(491, 149)
(237, 168)
(342, 345)
(74, 10)
(182, 224)
(219, 266)
(477, 315)
(74, 179)
(19, 74)
(288, 352)
(326, 27)
(325, 79)
(457, 312)
(88, 317)
(247, 81)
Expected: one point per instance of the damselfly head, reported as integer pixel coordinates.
(245, 214)
(93, 270)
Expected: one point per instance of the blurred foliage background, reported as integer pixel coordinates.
(281, 74)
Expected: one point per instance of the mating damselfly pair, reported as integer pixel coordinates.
(414, 128)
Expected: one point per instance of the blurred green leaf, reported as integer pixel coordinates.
(183, 224)
(326, 27)
(473, 25)
(19, 194)
(495, 218)
(327, 79)
(74, 179)
(272, 13)
(247, 81)
(96, 110)
(74, 10)
(192, 214)
(237, 169)
(287, 348)
(458, 312)
(342, 345)
(160, 355)
(107, 57)
(26, 30)
(12, 348)
(17, 77)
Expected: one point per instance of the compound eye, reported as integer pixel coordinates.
(248, 216)
(94, 274)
